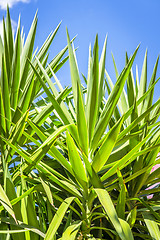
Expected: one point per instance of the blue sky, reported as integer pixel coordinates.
(127, 23)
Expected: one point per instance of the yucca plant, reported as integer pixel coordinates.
(80, 159)
(19, 88)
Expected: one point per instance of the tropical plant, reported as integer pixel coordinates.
(19, 88)
(76, 163)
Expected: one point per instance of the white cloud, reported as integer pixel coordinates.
(3, 3)
(14, 25)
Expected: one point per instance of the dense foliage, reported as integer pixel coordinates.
(75, 163)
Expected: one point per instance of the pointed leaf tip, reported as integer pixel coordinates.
(68, 38)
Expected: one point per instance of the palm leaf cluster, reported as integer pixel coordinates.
(75, 163)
